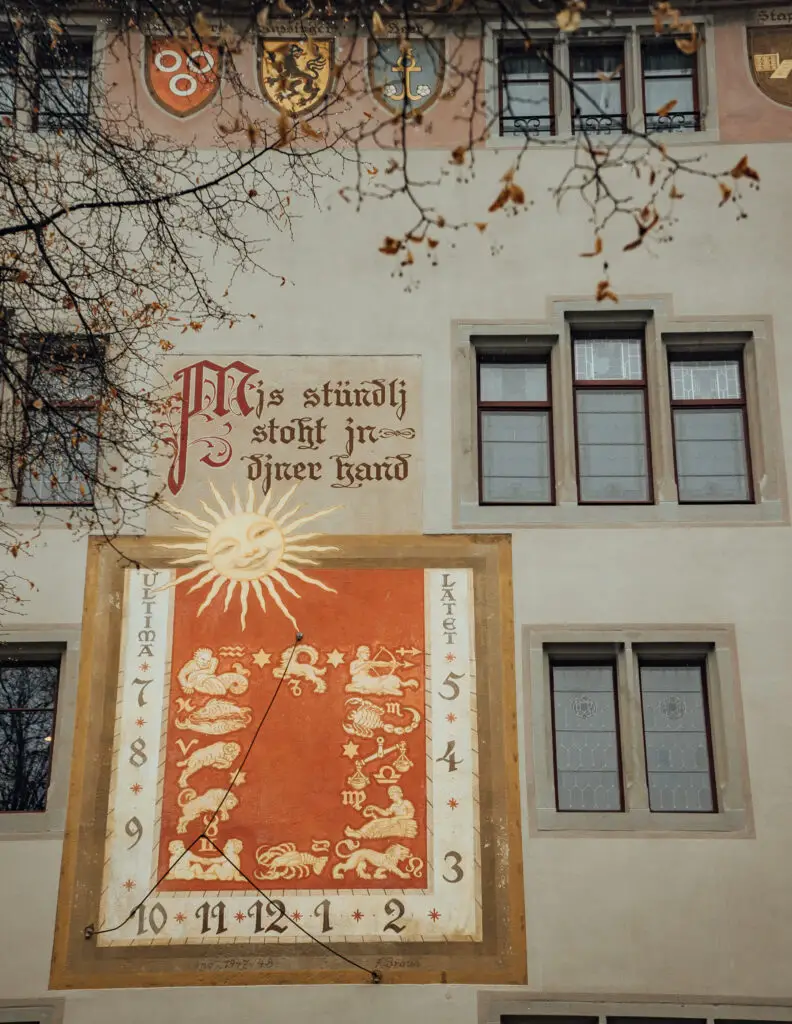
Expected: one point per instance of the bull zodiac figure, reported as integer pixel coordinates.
(295, 84)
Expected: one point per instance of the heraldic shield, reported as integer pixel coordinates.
(182, 76)
(770, 53)
(407, 73)
(295, 74)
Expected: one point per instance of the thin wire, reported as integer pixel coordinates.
(89, 932)
(376, 977)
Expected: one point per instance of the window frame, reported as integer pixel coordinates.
(663, 659)
(8, 39)
(502, 43)
(734, 815)
(604, 43)
(65, 121)
(77, 406)
(527, 357)
(36, 659)
(566, 660)
(674, 355)
(697, 113)
(642, 385)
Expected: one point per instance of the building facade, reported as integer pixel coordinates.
(629, 456)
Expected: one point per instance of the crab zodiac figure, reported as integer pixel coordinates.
(286, 861)
(396, 820)
(199, 675)
(366, 681)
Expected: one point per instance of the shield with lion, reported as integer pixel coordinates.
(295, 74)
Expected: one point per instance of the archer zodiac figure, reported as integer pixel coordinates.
(363, 671)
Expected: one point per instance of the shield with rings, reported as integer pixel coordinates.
(182, 75)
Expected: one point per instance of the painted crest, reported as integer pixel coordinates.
(406, 73)
(295, 74)
(770, 54)
(182, 77)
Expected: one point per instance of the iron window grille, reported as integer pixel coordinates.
(525, 90)
(670, 87)
(597, 88)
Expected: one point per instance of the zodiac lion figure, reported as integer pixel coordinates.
(286, 861)
(384, 863)
(199, 675)
(396, 820)
(217, 755)
(302, 669)
(364, 681)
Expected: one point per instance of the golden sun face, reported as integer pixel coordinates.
(248, 550)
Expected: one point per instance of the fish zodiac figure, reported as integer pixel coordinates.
(216, 717)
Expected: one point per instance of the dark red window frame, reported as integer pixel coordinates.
(620, 119)
(521, 359)
(613, 385)
(712, 403)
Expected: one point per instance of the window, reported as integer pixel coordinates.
(677, 735)
(9, 58)
(28, 696)
(61, 425)
(710, 427)
(525, 90)
(598, 105)
(515, 430)
(611, 418)
(670, 87)
(63, 85)
(586, 735)
(635, 728)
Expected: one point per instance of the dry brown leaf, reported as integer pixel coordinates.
(597, 247)
(665, 13)
(675, 193)
(604, 292)
(690, 45)
(283, 6)
(516, 194)
(201, 26)
(500, 200)
(408, 259)
(481, 225)
(312, 133)
(392, 166)
(390, 246)
(263, 17)
(373, 171)
(742, 169)
(432, 243)
(568, 19)
(165, 345)
(458, 155)
(508, 175)
(608, 76)
(725, 192)
(666, 109)
(21, 277)
(284, 126)
(377, 24)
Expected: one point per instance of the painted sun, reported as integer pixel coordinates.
(248, 550)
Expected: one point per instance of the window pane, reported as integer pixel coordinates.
(526, 99)
(598, 98)
(705, 379)
(586, 738)
(711, 458)
(25, 752)
(602, 359)
(64, 83)
(66, 371)
(515, 457)
(612, 457)
(24, 685)
(678, 762)
(591, 61)
(61, 459)
(8, 71)
(517, 62)
(513, 382)
(596, 84)
(666, 59)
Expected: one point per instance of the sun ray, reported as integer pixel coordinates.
(183, 579)
(251, 498)
(189, 559)
(213, 591)
(235, 496)
(210, 575)
(296, 560)
(276, 598)
(287, 515)
(302, 548)
(261, 510)
(284, 500)
(186, 545)
(308, 519)
(187, 515)
(243, 598)
(275, 575)
(306, 579)
(192, 532)
(223, 507)
(211, 512)
(232, 584)
(256, 584)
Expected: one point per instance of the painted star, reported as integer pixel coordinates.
(239, 916)
(144, 666)
(261, 658)
(130, 884)
(180, 917)
(140, 722)
(335, 658)
(450, 657)
(453, 804)
(350, 750)
(237, 779)
(358, 915)
(136, 788)
(434, 914)
(296, 916)
(451, 717)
